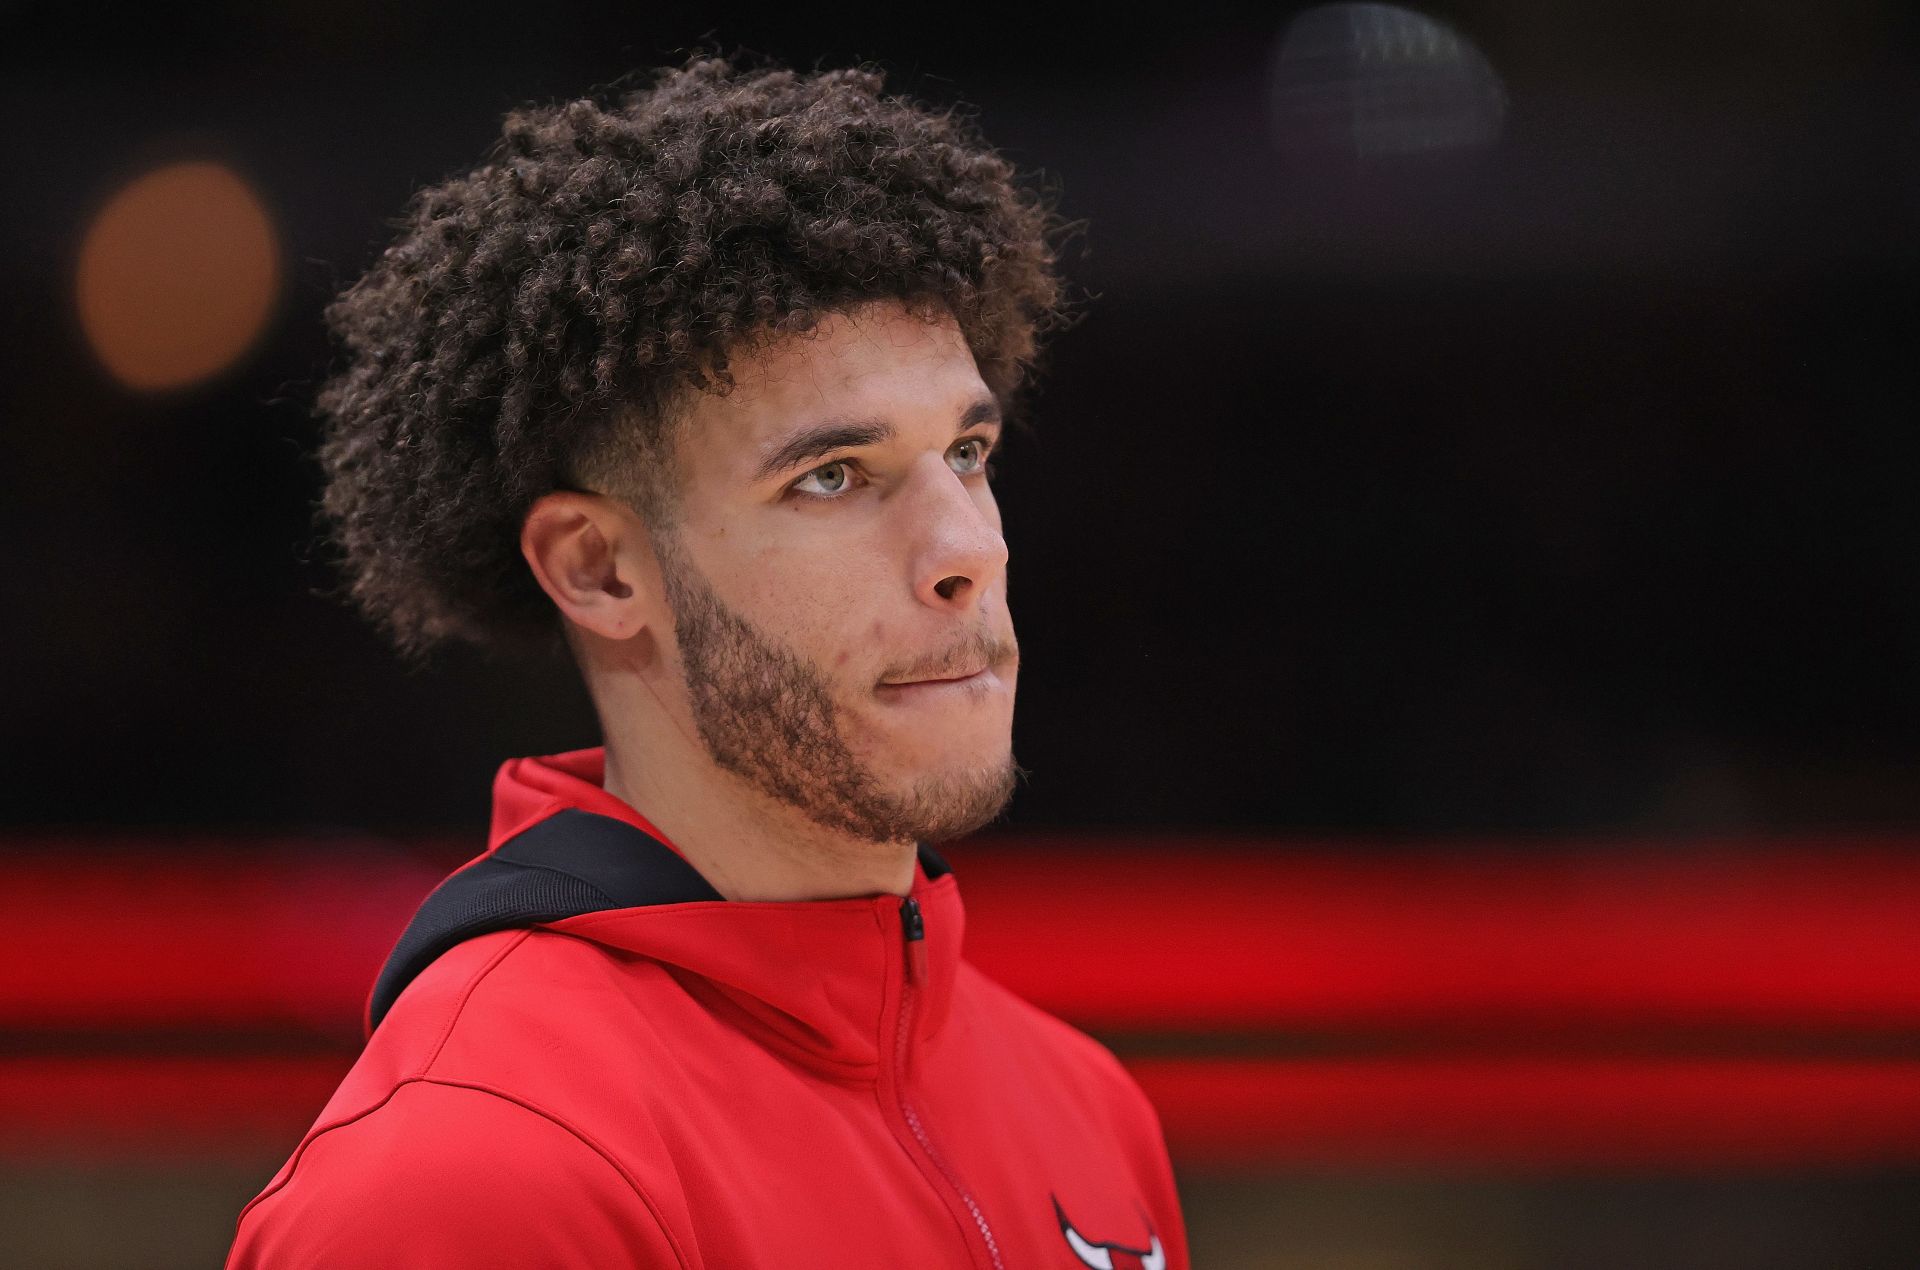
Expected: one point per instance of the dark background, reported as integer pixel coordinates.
(1556, 486)
(1560, 485)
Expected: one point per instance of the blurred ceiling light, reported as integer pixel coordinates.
(1369, 81)
(177, 276)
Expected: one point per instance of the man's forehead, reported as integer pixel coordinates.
(886, 366)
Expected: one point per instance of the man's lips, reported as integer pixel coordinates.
(932, 679)
(981, 683)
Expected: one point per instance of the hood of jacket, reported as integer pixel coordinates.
(810, 978)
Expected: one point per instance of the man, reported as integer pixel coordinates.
(707, 381)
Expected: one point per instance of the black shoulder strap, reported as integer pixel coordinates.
(572, 862)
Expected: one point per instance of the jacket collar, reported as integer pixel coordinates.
(528, 790)
(819, 980)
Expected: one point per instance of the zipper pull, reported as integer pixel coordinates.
(915, 928)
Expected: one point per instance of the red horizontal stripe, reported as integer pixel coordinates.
(1166, 933)
(282, 935)
(162, 1105)
(1530, 1114)
(1667, 1114)
(1121, 934)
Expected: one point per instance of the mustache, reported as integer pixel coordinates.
(973, 651)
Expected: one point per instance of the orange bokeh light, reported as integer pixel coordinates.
(177, 276)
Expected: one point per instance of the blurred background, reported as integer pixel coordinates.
(1464, 566)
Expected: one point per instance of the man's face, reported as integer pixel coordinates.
(837, 537)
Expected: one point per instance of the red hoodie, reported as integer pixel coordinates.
(580, 1055)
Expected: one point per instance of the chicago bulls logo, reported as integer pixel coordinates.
(1111, 1256)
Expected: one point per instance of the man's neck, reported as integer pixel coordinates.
(746, 845)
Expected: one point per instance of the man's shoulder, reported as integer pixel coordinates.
(442, 1173)
(509, 981)
(497, 1008)
(425, 1130)
(457, 1131)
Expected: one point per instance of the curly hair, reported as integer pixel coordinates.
(535, 320)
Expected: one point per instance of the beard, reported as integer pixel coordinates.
(767, 715)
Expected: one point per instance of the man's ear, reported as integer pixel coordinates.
(592, 556)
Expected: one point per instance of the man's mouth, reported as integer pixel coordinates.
(977, 685)
(948, 677)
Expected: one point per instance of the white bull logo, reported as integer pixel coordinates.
(1109, 1255)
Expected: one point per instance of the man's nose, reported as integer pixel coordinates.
(963, 550)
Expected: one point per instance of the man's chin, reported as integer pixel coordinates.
(943, 806)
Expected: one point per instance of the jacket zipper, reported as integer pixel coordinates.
(913, 926)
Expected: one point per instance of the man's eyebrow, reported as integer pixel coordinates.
(844, 434)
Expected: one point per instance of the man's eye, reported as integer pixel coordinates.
(975, 457)
(835, 478)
